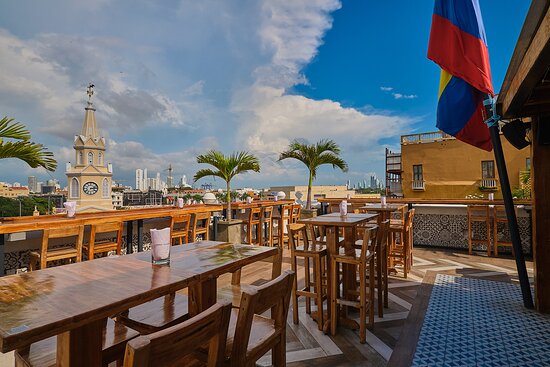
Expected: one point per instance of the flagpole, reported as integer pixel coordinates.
(492, 122)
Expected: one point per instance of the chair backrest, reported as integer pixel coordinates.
(369, 240)
(180, 222)
(73, 231)
(296, 210)
(274, 295)
(254, 215)
(286, 211)
(297, 232)
(478, 211)
(267, 213)
(169, 347)
(399, 214)
(499, 213)
(409, 219)
(199, 217)
(110, 227)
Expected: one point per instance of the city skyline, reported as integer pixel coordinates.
(229, 76)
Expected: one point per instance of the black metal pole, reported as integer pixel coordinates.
(511, 215)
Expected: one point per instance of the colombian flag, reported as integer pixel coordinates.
(458, 45)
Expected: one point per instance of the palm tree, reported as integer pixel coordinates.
(325, 151)
(227, 167)
(33, 153)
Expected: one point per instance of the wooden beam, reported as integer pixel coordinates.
(540, 180)
(529, 73)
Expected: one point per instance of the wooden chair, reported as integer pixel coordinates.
(95, 246)
(401, 252)
(251, 334)
(68, 252)
(156, 315)
(177, 345)
(317, 252)
(281, 221)
(479, 214)
(363, 260)
(499, 216)
(179, 225)
(44, 352)
(254, 226)
(267, 223)
(295, 214)
(200, 226)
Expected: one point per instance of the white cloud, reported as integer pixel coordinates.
(386, 89)
(404, 96)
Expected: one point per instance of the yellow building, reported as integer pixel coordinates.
(89, 180)
(438, 166)
(13, 192)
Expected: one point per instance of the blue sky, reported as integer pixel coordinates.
(176, 78)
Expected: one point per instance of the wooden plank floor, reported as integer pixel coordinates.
(306, 346)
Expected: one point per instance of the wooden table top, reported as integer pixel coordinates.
(30, 223)
(383, 208)
(335, 219)
(44, 303)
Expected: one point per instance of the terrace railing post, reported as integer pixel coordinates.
(140, 234)
(2, 236)
(511, 215)
(129, 236)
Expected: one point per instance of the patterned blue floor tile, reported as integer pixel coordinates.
(475, 322)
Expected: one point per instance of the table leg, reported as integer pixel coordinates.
(202, 295)
(129, 236)
(81, 346)
(140, 234)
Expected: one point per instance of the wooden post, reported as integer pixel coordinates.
(540, 181)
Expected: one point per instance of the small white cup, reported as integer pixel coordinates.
(382, 200)
(180, 202)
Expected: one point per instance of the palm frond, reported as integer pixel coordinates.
(13, 130)
(32, 153)
(205, 172)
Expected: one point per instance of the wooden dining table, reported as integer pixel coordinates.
(384, 210)
(73, 301)
(332, 223)
(31, 223)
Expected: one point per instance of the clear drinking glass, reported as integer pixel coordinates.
(160, 253)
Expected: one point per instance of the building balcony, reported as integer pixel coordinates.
(425, 138)
(488, 184)
(418, 185)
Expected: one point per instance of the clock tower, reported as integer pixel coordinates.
(90, 178)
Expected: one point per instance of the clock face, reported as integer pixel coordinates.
(90, 188)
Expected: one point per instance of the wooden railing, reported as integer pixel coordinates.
(424, 201)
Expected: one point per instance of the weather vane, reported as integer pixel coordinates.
(90, 91)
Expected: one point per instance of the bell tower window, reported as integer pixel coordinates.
(105, 188)
(90, 158)
(75, 188)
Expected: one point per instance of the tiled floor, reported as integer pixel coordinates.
(475, 322)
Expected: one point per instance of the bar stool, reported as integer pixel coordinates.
(295, 215)
(363, 260)
(67, 252)
(400, 253)
(381, 263)
(200, 226)
(267, 224)
(179, 226)
(499, 216)
(254, 226)
(281, 221)
(95, 246)
(317, 252)
(479, 214)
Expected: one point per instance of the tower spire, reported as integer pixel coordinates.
(89, 129)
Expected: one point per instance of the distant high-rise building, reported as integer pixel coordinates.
(145, 177)
(33, 184)
(139, 179)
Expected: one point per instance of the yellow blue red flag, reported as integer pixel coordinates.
(459, 46)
